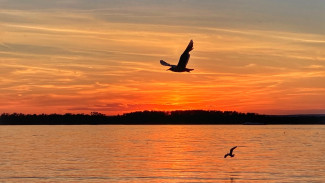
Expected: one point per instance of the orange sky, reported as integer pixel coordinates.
(84, 56)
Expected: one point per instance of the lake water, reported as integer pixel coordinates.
(162, 153)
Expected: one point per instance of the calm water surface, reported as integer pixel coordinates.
(162, 153)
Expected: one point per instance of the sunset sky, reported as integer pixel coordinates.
(80, 56)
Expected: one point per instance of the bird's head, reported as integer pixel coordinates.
(172, 68)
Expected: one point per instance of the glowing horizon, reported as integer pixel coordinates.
(85, 56)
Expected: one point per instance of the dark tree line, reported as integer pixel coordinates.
(159, 117)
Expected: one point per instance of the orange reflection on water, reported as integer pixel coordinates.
(162, 153)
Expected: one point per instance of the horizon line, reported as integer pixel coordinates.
(165, 111)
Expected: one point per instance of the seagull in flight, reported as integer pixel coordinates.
(230, 153)
(183, 60)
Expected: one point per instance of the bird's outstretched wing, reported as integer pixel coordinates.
(226, 155)
(183, 60)
(232, 149)
(164, 63)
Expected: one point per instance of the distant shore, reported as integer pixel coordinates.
(189, 117)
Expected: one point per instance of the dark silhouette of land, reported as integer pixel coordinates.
(196, 117)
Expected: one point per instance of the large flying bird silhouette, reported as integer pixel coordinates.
(183, 60)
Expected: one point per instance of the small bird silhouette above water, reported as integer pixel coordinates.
(230, 153)
(183, 60)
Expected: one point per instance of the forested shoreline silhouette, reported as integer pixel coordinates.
(159, 117)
